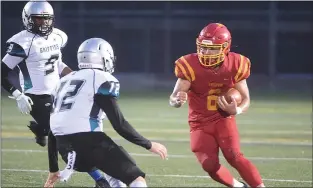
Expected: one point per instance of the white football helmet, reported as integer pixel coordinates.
(38, 17)
(96, 53)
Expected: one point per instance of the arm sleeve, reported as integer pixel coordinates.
(52, 153)
(15, 55)
(5, 82)
(109, 105)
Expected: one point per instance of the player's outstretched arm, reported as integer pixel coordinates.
(179, 95)
(109, 105)
(52, 153)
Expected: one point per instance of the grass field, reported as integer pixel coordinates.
(276, 134)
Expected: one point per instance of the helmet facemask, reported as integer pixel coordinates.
(38, 17)
(213, 44)
(211, 54)
(109, 63)
(41, 24)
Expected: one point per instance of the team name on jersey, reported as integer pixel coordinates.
(214, 84)
(49, 48)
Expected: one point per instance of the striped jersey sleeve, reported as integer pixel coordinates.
(184, 70)
(242, 68)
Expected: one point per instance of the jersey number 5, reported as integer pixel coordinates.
(66, 92)
(212, 99)
(49, 65)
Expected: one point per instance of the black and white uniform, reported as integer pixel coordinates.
(39, 59)
(82, 99)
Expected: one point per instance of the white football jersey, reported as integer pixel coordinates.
(38, 57)
(74, 107)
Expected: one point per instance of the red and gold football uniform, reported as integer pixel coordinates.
(212, 129)
(208, 84)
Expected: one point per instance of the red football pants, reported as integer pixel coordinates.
(205, 143)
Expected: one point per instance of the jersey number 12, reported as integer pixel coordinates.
(65, 94)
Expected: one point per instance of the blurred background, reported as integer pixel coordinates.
(149, 36)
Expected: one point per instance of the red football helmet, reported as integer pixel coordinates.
(213, 43)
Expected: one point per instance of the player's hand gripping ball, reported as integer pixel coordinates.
(229, 101)
(232, 92)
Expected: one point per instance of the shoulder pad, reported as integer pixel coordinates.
(184, 69)
(19, 44)
(102, 76)
(107, 84)
(242, 68)
(63, 36)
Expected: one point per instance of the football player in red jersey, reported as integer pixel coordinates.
(202, 79)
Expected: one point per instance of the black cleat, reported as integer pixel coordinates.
(102, 183)
(40, 138)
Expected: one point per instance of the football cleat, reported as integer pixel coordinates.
(40, 138)
(102, 183)
(65, 175)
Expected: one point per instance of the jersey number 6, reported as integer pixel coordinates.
(212, 99)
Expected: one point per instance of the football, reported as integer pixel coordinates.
(232, 92)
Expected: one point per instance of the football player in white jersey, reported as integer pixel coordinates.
(37, 52)
(80, 102)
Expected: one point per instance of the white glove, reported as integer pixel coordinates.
(23, 102)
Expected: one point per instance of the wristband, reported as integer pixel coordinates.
(238, 110)
(16, 93)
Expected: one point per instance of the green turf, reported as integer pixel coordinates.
(276, 135)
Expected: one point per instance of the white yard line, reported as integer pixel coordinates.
(282, 142)
(186, 131)
(171, 156)
(164, 175)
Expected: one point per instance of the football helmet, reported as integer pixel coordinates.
(213, 43)
(38, 17)
(96, 53)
